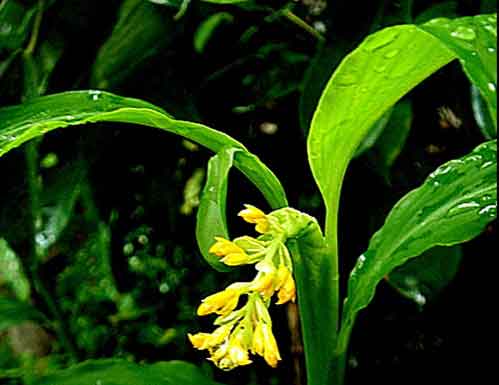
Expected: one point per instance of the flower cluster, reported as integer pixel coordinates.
(248, 329)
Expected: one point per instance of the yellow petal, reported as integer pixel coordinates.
(235, 259)
(221, 303)
(287, 291)
(223, 247)
(251, 214)
(271, 354)
(199, 340)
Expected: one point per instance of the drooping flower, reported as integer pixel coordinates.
(286, 289)
(221, 303)
(251, 214)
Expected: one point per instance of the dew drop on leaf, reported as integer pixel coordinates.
(464, 33)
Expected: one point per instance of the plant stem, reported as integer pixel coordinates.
(34, 190)
(287, 13)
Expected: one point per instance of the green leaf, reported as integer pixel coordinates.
(208, 27)
(482, 114)
(452, 206)
(141, 32)
(12, 274)
(121, 372)
(15, 22)
(13, 312)
(20, 123)
(211, 217)
(474, 41)
(370, 80)
(225, 1)
(421, 279)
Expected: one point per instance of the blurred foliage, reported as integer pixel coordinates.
(115, 246)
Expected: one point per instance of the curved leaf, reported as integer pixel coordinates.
(211, 217)
(13, 312)
(20, 123)
(371, 79)
(208, 27)
(121, 372)
(482, 114)
(452, 206)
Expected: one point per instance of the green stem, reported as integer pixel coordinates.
(287, 13)
(37, 253)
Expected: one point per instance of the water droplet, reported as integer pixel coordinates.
(380, 39)
(95, 95)
(491, 49)
(474, 53)
(491, 29)
(492, 87)
(346, 79)
(392, 53)
(381, 68)
(490, 210)
(211, 189)
(464, 33)
(487, 164)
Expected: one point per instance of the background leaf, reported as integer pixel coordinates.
(141, 31)
(121, 372)
(452, 206)
(12, 274)
(208, 27)
(421, 279)
(15, 21)
(211, 216)
(20, 123)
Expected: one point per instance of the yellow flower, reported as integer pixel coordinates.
(264, 284)
(257, 346)
(225, 247)
(271, 352)
(199, 340)
(251, 214)
(285, 285)
(221, 303)
(235, 259)
(237, 354)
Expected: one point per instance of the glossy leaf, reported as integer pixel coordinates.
(211, 217)
(421, 279)
(369, 81)
(13, 312)
(482, 114)
(12, 274)
(121, 372)
(208, 27)
(453, 205)
(20, 123)
(474, 42)
(141, 31)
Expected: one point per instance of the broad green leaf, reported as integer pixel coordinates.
(482, 114)
(452, 206)
(371, 79)
(12, 274)
(13, 312)
(208, 27)
(421, 279)
(391, 141)
(141, 32)
(121, 372)
(20, 123)
(211, 217)
(474, 42)
(15, 22)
